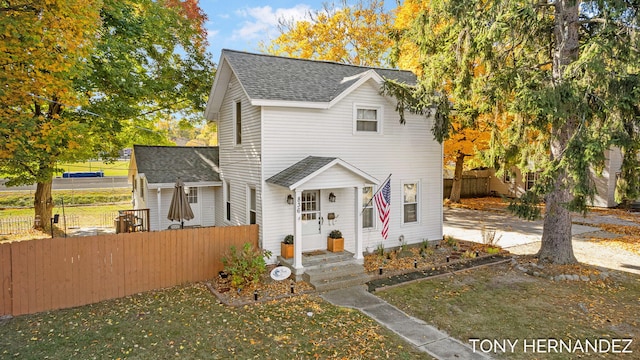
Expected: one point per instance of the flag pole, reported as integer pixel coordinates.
(374, 195)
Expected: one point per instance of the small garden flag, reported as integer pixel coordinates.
(383, 202)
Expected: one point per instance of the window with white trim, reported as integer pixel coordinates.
(531, 180)
(227, 195)
(237, 127)
(410, 201)
(367, 119)
(252, 206)
(192, 195)
(367, 208)
(141, 187)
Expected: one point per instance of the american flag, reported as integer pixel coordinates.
(383, 202)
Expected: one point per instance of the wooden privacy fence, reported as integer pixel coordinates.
(50, 274)
(471, 187)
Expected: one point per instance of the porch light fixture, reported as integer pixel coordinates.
(332, 197)
(290, 199)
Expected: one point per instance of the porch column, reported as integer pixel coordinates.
(297, 233)
(358, 223)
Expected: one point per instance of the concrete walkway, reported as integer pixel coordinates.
(424, 336)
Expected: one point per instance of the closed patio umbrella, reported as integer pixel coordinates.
(180, 210)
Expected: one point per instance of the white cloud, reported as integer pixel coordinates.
(211, 34)
(262, 21)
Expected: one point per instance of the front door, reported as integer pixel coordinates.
(311, 221)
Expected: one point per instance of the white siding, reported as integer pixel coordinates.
(204, 211)
(407, 151)
(606, 181)
(239, 165)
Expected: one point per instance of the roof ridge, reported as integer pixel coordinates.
(316, 61)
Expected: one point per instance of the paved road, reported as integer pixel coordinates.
(76, 184)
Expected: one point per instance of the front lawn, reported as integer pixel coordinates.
(504, 304)
(188, 323)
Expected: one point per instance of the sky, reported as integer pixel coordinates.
(242, 24)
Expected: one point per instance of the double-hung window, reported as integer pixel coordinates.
(227, 195)
(237, 115)
(192, 195)
(410, 201)
(367, 119)
(367, 208)
(530, 180)
(252, 206)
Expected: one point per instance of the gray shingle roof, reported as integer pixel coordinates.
(165, 164)
(268, 77)
(299, 170)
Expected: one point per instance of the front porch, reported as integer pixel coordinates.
(326, 270)
(323, 192)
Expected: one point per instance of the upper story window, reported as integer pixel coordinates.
(237, 127)
(367, 119)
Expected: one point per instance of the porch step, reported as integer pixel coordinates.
(336, 275)
(326, 259)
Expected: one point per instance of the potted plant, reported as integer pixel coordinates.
(335, 241)
(286, 247)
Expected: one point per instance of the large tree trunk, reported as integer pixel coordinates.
(43, 204)
(556, 244)
(456, 186)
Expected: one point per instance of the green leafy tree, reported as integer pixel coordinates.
(558, 67)
(85, 78)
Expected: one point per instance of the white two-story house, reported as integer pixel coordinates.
(305, 144)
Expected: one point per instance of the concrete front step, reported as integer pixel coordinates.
(336, 275)
(341, 282)
(327, 259)
(335, 270)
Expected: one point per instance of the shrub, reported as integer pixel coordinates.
(380, 250)
(288, 239)
(245, 266)
(451, 241)
(335, 234)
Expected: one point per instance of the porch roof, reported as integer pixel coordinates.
(312, 166)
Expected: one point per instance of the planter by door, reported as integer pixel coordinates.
(286, 250)
(335, 245)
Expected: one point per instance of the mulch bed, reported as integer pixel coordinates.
(446, 268)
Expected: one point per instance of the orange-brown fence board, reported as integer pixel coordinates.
(50, 274)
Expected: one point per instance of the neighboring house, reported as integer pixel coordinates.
(154, 170)
(305, 144)
(515, 183)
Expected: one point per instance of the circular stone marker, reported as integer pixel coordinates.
(280, 273)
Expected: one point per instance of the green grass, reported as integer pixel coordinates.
(24, 198)
(505, 304)
(188, 323)
(117, 168)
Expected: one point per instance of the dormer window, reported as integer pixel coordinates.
(367, 119)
